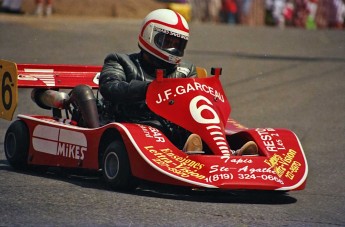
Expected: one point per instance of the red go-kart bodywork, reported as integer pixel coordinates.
(196, 104)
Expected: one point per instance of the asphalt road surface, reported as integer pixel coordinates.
(288, 78)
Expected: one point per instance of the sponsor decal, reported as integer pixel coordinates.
(212, 121)
(45, 75)
(202, 110)
(190, 87)
(219, 138)
(270, 139)
(218, 172)
(59, 142)
(284, 164)
(96, 78)
(175, 164)
(168, 32)
(153, 133)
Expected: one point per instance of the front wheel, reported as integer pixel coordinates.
(17, 145)
(116, 169)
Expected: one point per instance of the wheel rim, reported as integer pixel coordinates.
(111, 165)
(10, 145)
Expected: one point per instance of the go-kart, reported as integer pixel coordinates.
(125, 152)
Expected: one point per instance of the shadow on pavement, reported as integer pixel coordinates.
(92, 179)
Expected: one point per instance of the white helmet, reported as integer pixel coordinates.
(164, 34)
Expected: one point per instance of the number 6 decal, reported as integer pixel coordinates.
(197, 112)
(8, 89)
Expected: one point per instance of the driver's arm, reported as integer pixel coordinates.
(116, 80)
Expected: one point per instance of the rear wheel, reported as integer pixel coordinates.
(116, 169)
(17, 145)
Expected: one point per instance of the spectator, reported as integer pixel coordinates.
(301, 13)
(278, 7)
(214, 7)
(274, 12)
(229, 9)
(289, 12)
(339, 14)
(269, 12)
(198, 10)
(312, 8)
(44, 4)
(245, 8)
(12, 6)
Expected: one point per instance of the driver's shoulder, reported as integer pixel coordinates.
(121, 57)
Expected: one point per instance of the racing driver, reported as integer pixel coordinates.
(125, 78)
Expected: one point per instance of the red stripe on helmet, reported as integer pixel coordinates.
(178, 26)
(153, 50)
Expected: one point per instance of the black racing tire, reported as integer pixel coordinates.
(17, 145)
(116, 168)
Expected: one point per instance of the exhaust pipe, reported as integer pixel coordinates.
(48, 99)
(83, 97)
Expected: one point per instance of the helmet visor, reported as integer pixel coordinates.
(171, 44)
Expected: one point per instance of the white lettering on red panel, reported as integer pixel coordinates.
(61, 142)
(45, 75)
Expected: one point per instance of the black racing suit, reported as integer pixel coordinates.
(123, 83)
